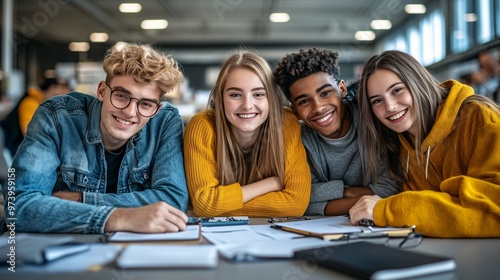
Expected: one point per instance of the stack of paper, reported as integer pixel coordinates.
(154, 255)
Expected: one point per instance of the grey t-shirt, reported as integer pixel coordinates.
(336, 163)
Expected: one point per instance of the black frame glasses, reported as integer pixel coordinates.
(114, 92)
(411, 240)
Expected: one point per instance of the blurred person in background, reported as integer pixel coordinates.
(16, 122)
(487, 79)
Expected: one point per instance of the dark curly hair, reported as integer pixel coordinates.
(299, 65)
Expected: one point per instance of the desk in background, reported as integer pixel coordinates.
(475, 259)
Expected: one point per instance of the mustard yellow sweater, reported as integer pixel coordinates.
(210, 199)
(455, 190)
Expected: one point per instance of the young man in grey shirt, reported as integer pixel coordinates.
(330, 116)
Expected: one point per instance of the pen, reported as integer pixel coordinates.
(287, 219)
(193, 221)
(219, 221)
(365, 223)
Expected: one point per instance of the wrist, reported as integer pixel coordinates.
(114, 222)
(80, 198)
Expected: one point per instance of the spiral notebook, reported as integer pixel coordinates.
(367, 260)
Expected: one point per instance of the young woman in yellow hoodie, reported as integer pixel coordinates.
(441, 140)
(244, 155)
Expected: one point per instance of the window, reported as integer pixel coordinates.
(397, 43)
(484, 21)
(460, 35)
(437, 19)
(424, 39)
(497, 17)
(415, 43)
(432, 30)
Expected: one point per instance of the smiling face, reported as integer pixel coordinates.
(316, 100)
(245, 104)
(391, 101)
(118, 125)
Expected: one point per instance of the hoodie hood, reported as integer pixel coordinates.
(36, 93)
(445, 119)
(447, 112)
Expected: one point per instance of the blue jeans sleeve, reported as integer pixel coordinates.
(35, 172)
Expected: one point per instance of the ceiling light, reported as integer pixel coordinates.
(279, 17)
(130, 7)
(154, 24)
(120, 46)
(365, 35)
(381, 24)
(415, 9)
(471, 17)
(79, 46)
(99, 37)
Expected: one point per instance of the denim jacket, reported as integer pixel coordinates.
(63, 151)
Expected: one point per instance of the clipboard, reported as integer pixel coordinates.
(340, 229)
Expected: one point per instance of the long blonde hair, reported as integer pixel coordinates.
(266, 157)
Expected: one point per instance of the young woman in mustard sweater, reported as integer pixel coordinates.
(244, 155)
(442, 140)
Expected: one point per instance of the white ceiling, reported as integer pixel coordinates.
(211, 25)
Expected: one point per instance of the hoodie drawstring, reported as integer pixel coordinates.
(427, 161)
(407, 162)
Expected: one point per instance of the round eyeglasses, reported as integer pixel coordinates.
(121, 99)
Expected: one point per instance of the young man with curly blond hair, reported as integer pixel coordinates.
(311, 82)
(111, 163)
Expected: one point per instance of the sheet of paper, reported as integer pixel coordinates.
(191, 233)
(234, 237)
(98, 256)
(226, 228)
(154, 255)
(269, 248)
(337, 224)
(273, 233)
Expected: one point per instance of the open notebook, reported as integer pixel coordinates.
(192, 234)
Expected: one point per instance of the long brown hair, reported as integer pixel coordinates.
(427, 95)
(266, 156)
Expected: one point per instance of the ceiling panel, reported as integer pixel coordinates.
(199, 23)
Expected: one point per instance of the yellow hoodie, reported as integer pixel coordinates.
(454, 189)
